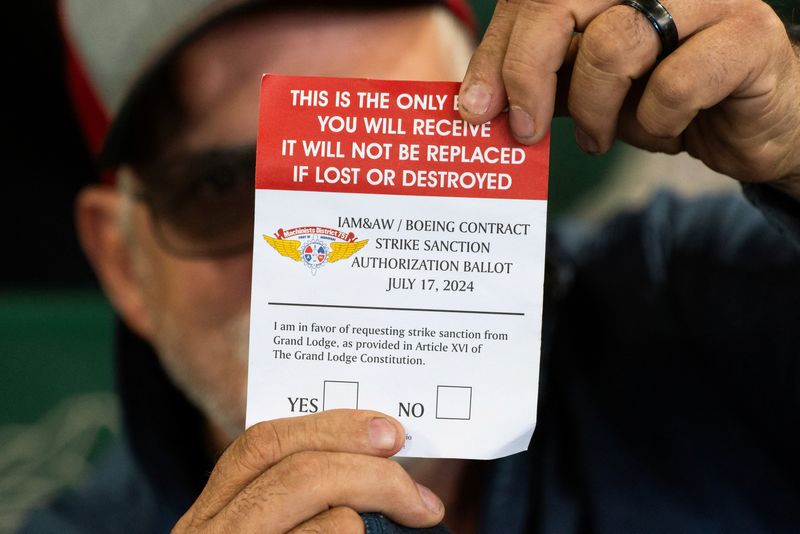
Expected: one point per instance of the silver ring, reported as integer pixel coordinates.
(661, 20)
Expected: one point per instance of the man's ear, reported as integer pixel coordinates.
(97, 218)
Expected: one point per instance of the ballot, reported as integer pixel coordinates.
(398, 263)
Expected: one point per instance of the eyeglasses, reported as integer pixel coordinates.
(202, 205)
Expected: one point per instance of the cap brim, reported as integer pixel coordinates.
(118, 140)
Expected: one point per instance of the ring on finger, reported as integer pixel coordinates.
(661, 20)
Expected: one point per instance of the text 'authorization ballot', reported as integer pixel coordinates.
(398, 264)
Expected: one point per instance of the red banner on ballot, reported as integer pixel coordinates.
(388, 137)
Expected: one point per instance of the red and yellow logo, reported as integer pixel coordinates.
(315, 246)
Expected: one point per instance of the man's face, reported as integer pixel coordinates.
(195, 311)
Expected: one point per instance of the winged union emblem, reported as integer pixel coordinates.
(285, 247)
(315, 246)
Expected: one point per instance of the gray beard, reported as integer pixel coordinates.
(210, 369)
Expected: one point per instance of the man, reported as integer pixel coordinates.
(695, 299)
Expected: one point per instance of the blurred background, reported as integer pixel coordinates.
(57, 407)
(57, 411)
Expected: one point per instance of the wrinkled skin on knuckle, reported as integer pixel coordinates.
(655, 125)
(261, 444)
(623, 42)
(761, 34)
(763, 20)
(296, 474)
(486, 62)
(213, 500)
(580, 93)
(582, 101)
(603, 47)
(516, 76)
(307, 431)
(257, 499)
(554, 14)
(674, 88)
(307, 470)
(667, 93)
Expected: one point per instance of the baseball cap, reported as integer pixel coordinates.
(114, 47)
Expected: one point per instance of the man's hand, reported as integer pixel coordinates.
(312, 473)
(728, 95)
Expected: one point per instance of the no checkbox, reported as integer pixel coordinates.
(338, 394)
(453, 402)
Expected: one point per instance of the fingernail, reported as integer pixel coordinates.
(382, 433)
(588, 144)
(430, 500)
(476, 100)
(521, 123)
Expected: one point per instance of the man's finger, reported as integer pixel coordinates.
(536, 50)
(482, 95)
(705, 70)
(618, 47)
(621, 46)
(308, 483)
(265, 444)
(339, 520)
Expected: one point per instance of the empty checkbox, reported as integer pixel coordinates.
(453, 402)
(337, 394)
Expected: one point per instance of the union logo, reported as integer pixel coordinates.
(315, 246)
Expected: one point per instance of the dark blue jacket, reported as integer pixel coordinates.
(669, 403)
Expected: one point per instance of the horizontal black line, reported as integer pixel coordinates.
(477, 312)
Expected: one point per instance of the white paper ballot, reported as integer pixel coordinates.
(398, 264)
